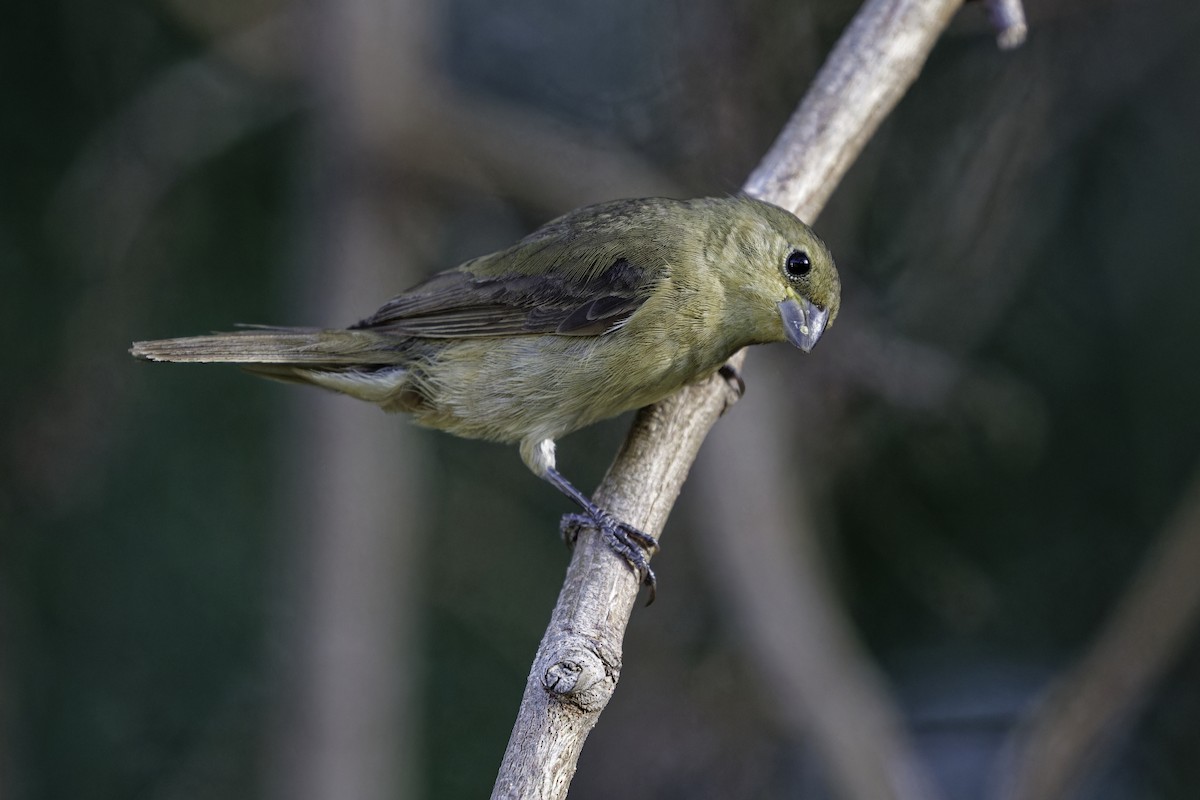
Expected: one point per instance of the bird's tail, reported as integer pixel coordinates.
(365, 364)
(310, 347)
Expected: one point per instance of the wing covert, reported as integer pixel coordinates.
(459, 303)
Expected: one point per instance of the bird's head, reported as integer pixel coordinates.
(813, 292)
(794, 283)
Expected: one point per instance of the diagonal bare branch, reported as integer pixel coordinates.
(578, 661)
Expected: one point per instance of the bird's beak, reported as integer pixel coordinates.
(803, 322)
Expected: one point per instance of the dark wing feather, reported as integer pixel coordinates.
(459, 304)
(599, 316)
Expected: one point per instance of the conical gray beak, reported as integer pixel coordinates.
(803, 322)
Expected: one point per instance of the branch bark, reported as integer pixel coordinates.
(578, 661)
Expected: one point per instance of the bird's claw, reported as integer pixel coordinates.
(732, 376)
(631, 544)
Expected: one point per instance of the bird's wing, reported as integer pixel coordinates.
(463, 303)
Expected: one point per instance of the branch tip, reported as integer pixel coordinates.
(1008, 18)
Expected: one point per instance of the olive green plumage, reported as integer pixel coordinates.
(605, 309)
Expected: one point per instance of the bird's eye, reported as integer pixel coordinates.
(798, 264)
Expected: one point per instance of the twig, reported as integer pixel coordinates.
(1067, 734)
(579, 659)
(1008, 18)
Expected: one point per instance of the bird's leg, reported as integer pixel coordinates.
(628, 542)
(732, 376)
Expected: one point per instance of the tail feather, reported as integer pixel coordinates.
(304, 346)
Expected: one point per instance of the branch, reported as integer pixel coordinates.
(578, 661)
(869, 70)
(1008, 18)
(1067, 734)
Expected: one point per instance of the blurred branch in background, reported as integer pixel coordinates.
(349, 722)
(760, 538)
(1070, 732)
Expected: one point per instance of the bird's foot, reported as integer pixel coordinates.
(631, 544)
(732, 376)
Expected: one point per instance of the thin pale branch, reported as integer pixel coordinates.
(579, 660)
(1008, 18)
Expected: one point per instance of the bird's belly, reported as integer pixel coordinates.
(547, 386)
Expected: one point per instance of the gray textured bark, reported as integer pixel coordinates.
(578, 661)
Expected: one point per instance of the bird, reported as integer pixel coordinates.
(608, 308)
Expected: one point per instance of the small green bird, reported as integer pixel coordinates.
(606, 309)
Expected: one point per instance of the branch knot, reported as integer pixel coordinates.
(578, 675)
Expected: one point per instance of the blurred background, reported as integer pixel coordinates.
(962, 533)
